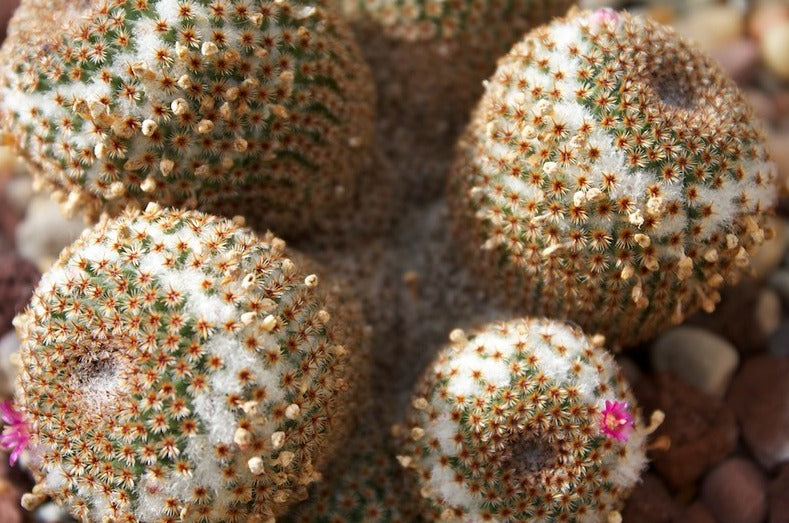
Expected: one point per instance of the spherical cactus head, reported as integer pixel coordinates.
(363, 484)
(611, 175)
(527, 420)
(263, 109)
(483, 23)
(175, 364)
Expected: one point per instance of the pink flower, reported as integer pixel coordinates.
(617, 422)
(605, 15)
(15, 437)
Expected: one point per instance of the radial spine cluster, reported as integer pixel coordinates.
(176, 367)
(611, 175)
(263, 108)
(527, 420)
(363, 484)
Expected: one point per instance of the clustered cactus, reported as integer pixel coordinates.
(263, 109)
(430, 58)
(526, 420)
(611, 175)
(363, 483)
(175, 365)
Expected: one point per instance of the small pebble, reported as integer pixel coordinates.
(650, 502)
(702, 429)
(44, 232)
(778, 495)
(780, 282)
(769, 256)
(763, 105)
(696, 513)
(739, 58)
(9, 503)
(759, 396)
(768, 311)
(713, 26)
(699, 357)
(735, 492)
(778, 344)
(775, 49)
(765, 17)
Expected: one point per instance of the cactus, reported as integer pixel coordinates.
(429, 58)
(364, 483)
(173, 364)
(612, 175)
(263, 109)
(526, 420)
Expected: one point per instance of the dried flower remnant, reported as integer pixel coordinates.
(263, 109)
(15, 436)
(613, 176)
(174, 363)
(505, 427)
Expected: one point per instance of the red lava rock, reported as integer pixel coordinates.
(18, 278)
(735, 492)
(759, 396)
(650, 502)
(696, 513)
(778, 495)
(702, 429)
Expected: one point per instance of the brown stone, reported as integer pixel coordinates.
(735, 492)
(696, 513)
(759, 396)
(778, 497)
(702, 429)
(650, 502)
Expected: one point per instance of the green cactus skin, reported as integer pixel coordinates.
(259, 108)
(613, 176)
(508, 424)
(175, 365)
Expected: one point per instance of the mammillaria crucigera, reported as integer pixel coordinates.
(612, 175)
(261, 108)
(525, 420)
(429, 59)
(175, 365)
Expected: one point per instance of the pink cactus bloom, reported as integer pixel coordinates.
(617, 422)
(605, 15)
(15, 437)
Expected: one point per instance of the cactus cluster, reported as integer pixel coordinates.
(612, 175)
(527, 420)
(175, 365)
(429, 60)
(263, 109)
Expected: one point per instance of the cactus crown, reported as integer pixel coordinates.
(609, 162)
(174, 364)
(509, 424)
(191, 103)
